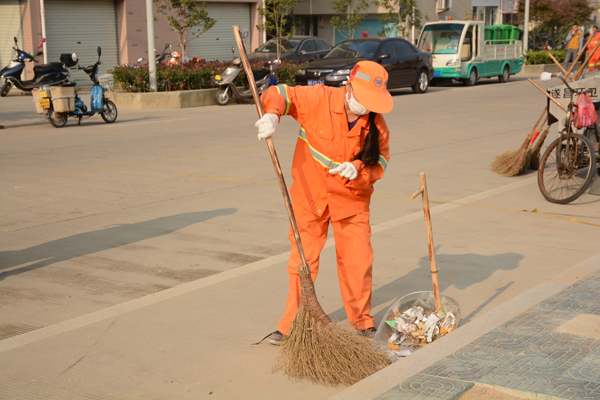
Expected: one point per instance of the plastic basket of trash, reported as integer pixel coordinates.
(426, 302)
(106, 81)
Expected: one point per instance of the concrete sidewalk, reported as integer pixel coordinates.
(140, 259)
(544, 343)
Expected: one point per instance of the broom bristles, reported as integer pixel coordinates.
(317, 350)
(328, 355)
(511, 163)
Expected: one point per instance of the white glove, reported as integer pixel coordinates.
(345, 169)
(267, 125)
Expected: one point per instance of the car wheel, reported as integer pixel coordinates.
(505, 75)
(422, 83)
(472, 79)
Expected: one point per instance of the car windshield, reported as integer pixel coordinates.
(441, 38)
(359, 49)
(270, 46)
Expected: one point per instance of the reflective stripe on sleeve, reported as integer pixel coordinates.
(321, 159)
(282, 89)
(383, 162)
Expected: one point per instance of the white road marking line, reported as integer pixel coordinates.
(119, 309)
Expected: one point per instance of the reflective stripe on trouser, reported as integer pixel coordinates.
(594, 62)
(354, 263)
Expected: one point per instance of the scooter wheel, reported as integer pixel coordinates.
(5, 88)
(109, 112)
(57, 120)
(222, 95)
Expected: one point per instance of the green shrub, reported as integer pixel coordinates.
(541, 56)
(189, 76)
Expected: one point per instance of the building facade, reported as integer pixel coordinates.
(119, 28)
(314, 17)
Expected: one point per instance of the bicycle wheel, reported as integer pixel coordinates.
(566, 173)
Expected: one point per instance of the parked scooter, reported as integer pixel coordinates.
(160, 58)
(99, 103)
(45, 74)
(264, 78)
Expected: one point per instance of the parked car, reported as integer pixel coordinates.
(406, 65)
(297, 48)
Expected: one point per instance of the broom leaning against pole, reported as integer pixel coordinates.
(314, 348)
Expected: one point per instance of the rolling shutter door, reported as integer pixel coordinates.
(10, 26)
(74, 26)
(216, 43)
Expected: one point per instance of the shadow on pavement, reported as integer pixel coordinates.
(111, 237)
(458, 270)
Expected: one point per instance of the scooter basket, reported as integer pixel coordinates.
(63, 98)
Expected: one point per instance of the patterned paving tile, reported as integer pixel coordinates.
(421, 387)
(524, 354)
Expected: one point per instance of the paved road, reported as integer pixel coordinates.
(141, 259)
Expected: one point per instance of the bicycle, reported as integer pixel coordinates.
(569, 164)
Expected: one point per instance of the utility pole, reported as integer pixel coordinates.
(526, 28)
(43, 18)
(151, 49)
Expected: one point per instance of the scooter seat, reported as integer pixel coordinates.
(45, 68)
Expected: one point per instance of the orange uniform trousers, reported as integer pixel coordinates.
(595, 59)
(354, 255)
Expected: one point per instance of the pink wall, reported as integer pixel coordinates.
(132, 39)
(32, 32)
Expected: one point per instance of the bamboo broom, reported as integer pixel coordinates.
(315, 348)
(512, 163)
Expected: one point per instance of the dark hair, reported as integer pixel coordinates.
(369, 154)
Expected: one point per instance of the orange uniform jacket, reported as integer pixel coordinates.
(593, 42)
(324, 142)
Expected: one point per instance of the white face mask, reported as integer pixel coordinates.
(355, 106)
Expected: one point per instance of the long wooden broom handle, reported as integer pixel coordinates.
(588, 58)
(568, 73)
(560, 67)
(434, 270)
(546, 93)
(274, 158)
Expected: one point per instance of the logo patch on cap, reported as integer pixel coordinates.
(378, 81)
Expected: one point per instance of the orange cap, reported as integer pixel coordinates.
(369, 84)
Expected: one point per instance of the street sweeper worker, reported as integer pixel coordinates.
(342, 149)
(595, 59)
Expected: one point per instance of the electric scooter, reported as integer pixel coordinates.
(225, 82)
(99, 103)
(45, 74)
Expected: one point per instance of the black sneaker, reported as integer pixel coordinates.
(275, 338)
(369, 332)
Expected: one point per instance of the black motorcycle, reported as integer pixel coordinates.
(45, 74)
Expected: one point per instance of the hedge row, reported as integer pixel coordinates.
(541, 56)
(189, 76)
